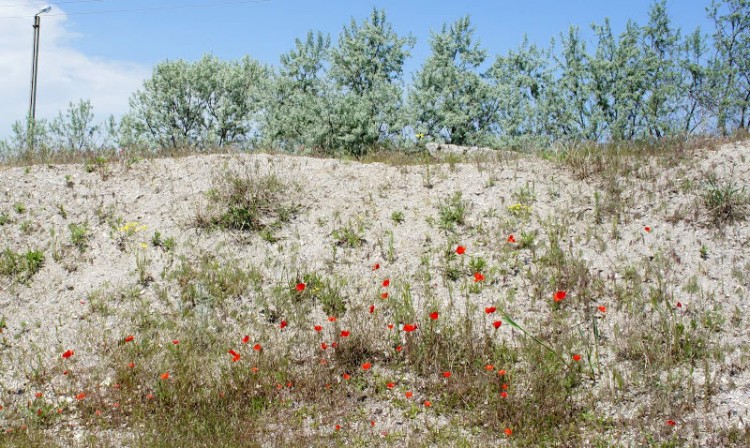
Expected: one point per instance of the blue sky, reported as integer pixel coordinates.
(104, 57)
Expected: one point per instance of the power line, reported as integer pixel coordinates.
(154, 8)
(19, 5)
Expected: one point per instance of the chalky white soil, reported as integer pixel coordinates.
(56, 310)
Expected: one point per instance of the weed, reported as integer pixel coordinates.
(19, 207)
(725, 201)
(248, 202)
(21, 266)
(452, 212)
(79, 235)
(61, 210)
(98, 164)
(397, 217)
(704, 252)
(350, 235)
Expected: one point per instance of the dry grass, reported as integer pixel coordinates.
(555, 377)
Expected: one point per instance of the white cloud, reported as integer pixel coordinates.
(65, 73)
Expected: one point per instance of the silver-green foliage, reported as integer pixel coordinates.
(367, 69)
(730, 67)
(301, 102)
(207, 103)
(449, 98)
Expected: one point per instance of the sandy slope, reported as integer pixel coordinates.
(54, 312)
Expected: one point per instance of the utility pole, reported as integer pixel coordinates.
(34, 72)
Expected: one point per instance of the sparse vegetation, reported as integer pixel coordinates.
(726, 201)
(575, 293)
(248, 201)
(452, 212)
(21, 266)
(79, 236)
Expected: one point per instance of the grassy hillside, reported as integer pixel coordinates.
(592, 297)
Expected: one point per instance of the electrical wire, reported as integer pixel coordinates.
(153, 8)
(20, 5)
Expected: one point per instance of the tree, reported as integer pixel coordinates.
(449, 96)
(367, 67)
(696, 101)
(574, 109)
(18, 144)
(232, 93)
(200, 104)
(522, 83)
(76, 130)
(300, 108)
(662, 77)
(619, 84)
(730, 67)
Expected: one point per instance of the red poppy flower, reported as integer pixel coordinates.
(504, 386)
(129, 338)
(390, 385)
(446, 374)
(478, 277)
(235, 355)
(323, 346)
(337, 427)
(647, 229)
(504, 394)
(399, 348)
(331, 318)
(246, 339)
(410, 327)
(300, 287)
(68, 354)
(490, 310)
(602, 308)
(131, 365)
(164, 375)
(671, 422)
(434, 315)
(511, 239)
(576, 357)
(384, 295)
(376, 266)
(427, 403)
(345, 333)
(80, 396)
(65, 372)
(372, 422)
(366, 366)
(333, 344)
(149, 396)
(386, 283)
(501, 372)
(38, 395)
(508, 432)
(390, 326)
(283, 324)
(559, 295)
(460, 250)
(489, 367)
(175, 341)
(497, 324)
(257, 347)
(317, 328)
(679, 304)
(346, 376)
(409, 394)
(372, 309)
